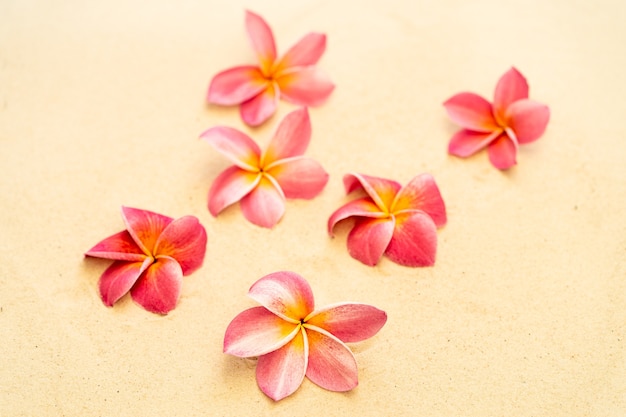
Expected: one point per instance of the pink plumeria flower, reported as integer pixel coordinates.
(400, 222)
(151, 256)
(511, 120)
(291, 339)
(262, 181)
(258, 88)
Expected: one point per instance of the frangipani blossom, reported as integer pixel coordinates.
(291, 339)
(400, 222)
(510, 121)
(262, 181)
(151, 257)
(258, 88)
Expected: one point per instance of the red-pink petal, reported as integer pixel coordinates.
(235, 145)
(144, 226)
(257, 331)
(414, 241)
(362, 207)
(229, 187)
(332, 365)
(502, 152)
(381, 190)
(265, 204)
(236, 85)
(119, 278)
(299, 177)
(305, 86)
(184, 240)
(471, 111)
(512, 86)
(261, 107)
(307, 51)
(369, 238)
(285, 294)
(528, 119)
(291, 137)
(120, 247)
(349, 322)
(422, 193)
(467, 142)
(281, 372)
(262, 40)
(158, 288)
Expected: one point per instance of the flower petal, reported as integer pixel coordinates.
(260, 107)
(299, 177)
(305, 86)
(281, 372)
(528, 119)
(257, 331)
(144, 226)
(285, 294)
(291, 137)
(184, 240)
(471, 111)
(331, 363)
(229, 187)
(381, 190)
(502, 152)
(349, 322)
(512, 86)
(465, 142)
(119, 246)
(158, 288)
(369, 238)
(364, 207)
(422, 193)
(235, 145)
(119, 278)
(414, 241)
(265, 204)
(307, 51)
(236, 85)
(262, 40)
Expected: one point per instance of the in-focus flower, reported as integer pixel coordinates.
(257, 89)
(400, 222)
(151, 256)
(292, 339)
(263, 181)
(511, 120)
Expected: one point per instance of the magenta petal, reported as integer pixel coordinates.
(265, 204)
(381, 190)
(120, 247)
(502, 152)
(414, 241)
(281, 372)
(229, 187)
(184, 240)
(511, 87)
(466, 142)
(471, 111)
(119, 278)
(331, 363)
(291, 137)
(262, 40)
(261, 107)
(528, 119)
(349, 322)
(158, 288)
(235, 145)
(257, 331)
(306, 86)
(285, 294)
(236, 85)
(362, 207)
(369, 238)
(144, 226)
(422, 193)
(299, 177)
(306, 52)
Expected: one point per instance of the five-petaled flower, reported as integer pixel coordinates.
(511, 120)
(400, 222)
(151, 256)
(263, 181)
(257, 89)
(291, 339)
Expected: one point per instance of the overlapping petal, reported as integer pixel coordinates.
(349, 322)
(331, 363)
(369, 238)
(414, 241)
(144, 226)
(307, 51)
(528, 119)
(265, 204)
(381, 190)
(119, 278)
(422, 193)
(261, 107)
(291, 138)
(285, 294)
(299, 177)
(511, 87)
(472, 112)
(185, 241)
(159, 286)
(262, 40)
(306, 86)
(362, 207)
(465, 142)
(120, 247)
(231, 186)
(502, 152)
(236, 85)
(235, 145)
